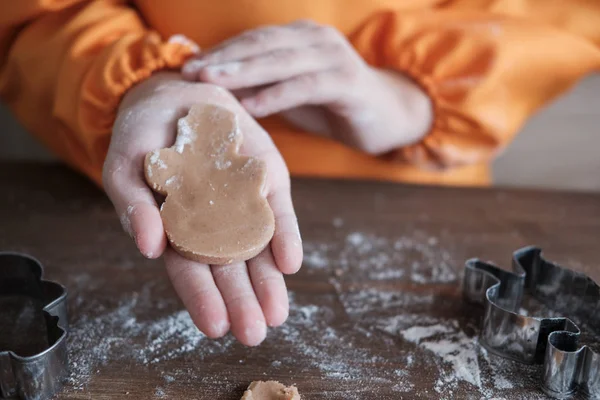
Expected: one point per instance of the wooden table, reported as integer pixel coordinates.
(376, 310)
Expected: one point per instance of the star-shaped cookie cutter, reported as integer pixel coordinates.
(38, 376)
(554, 342)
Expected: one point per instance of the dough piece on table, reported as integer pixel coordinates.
(215, 211)
(270, 390)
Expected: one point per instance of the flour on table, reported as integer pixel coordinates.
(410, 317)
(337, 222)
(416, 333)
(107, 337)
(452, 347)
(315, 255)
(408, 323)
(419, 258)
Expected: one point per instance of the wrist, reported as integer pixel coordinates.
(413, 106)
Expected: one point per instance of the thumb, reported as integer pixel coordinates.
(135, 204)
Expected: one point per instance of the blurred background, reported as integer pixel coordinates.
(559, 148)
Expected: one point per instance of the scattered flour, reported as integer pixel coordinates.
(502, 383)
(125, 220)
(185, 135)
(338, 222)
(222, 164)
(233, 135)
(109, 336)
(315, 255)
(361, 302)
(171, 180)
(321, 347)
(221, 146)
(411, 318)
(461, 359)
(406, 323)
(416, 333)
(156, 160)
(122, 334)
(176, 335)
(460, 352)
(312, 344)
(419, 258)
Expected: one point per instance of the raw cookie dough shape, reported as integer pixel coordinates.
(215, 211)
(270, 390)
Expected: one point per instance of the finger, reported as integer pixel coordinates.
(123, 177)
(258, 143)
(269, 287)
(309, 89)
(245, 314)
(272, 67)
(286, 244)
(196, 287)
(260, 41)
(135, 205)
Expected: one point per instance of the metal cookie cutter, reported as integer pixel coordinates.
(553, 342)
(38, 376)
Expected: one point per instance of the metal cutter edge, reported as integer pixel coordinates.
(568, 367)
(39, 376)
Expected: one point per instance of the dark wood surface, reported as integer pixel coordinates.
(376, 310)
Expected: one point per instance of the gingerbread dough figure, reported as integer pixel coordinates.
(270, 390)
(215, 211)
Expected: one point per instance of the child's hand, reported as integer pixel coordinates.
(243, 297)
(302, 64)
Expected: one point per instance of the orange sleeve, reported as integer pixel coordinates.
(486, 74)
(64, 65)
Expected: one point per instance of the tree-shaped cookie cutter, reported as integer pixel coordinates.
(38, 376)
(554, 342)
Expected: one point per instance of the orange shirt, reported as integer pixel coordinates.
(486, 64)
